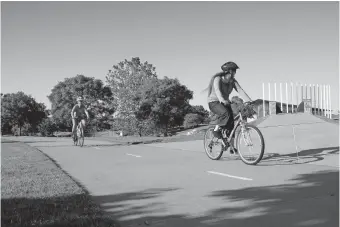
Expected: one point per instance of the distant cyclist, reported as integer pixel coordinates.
(78, 114)
(220, 87)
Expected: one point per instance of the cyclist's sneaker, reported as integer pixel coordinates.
(232, 151)
(217, 134)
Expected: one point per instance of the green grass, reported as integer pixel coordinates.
(36, 192)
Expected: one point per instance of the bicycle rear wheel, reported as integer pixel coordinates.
(250, 145)
(213, 146)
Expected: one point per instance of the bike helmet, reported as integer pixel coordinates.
(79, 98)
(229, 66)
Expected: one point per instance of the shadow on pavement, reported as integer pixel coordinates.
(307, 200)
(302, 157)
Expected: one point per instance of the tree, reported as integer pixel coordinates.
(125, 79)
(164, 101)
(192, 120)
(200, 111)
(98, 99)
(19, 109)
(47, 127)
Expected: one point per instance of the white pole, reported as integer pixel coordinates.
(314, 99)
(327, 97)
(291, 85)
(275, 92)
(324, 100)
(281, 96)
(287, 105)
(297, 96)
(330, 101)
(326, 111)
(269, 98)
(321, 100)
(264, 107)
(317, 98)
(310, 94)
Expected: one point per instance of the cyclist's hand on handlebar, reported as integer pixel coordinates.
(225, 102)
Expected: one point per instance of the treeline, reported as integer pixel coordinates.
(133, 100)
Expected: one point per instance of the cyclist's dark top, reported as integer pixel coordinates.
(79, 111)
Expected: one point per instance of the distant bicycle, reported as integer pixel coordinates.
(243, 135)
(78, 138)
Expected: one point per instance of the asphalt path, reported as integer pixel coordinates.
(176, 184)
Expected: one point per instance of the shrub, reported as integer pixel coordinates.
(26, 130)
(192, 120)
(47, 127)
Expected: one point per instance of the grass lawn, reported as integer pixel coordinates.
(36, 192)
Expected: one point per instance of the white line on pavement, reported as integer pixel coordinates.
(97, 148)
(227, 175)
(137, 156)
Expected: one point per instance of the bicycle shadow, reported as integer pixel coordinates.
(301, 157)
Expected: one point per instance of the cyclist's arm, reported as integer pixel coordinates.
(87, 113)
(72, 111)
(217, 87)
(241, 92)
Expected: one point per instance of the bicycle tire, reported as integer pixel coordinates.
(259, 158)
(205, 142)
(81, 139)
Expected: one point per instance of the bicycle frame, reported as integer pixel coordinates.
(238, 121)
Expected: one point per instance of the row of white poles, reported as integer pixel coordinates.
(320, 96)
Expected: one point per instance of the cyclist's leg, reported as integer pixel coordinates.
(83, 122)
(74, 126)
(223, 116)
(230, 122)
(230, 126)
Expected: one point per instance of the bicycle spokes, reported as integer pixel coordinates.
(247, 138)
(250, 144)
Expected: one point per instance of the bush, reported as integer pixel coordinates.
(47, 127)
(26, 130)
(192, 120)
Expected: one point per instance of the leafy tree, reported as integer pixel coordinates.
(125, 79)
(192, 120)
(203, 113)
(47, 127)
(25, 130)
(164, 101)
(98, 99)
(18, 109)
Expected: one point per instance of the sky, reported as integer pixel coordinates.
(43, 43)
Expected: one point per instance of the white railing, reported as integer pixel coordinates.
(318, 98)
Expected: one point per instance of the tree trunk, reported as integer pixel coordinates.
(19, 130)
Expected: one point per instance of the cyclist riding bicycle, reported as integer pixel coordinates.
(78, 113)
(220, 87)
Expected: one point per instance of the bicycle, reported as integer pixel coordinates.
(243, 129)
(78, 137)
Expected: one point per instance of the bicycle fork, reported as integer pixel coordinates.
(247, 140)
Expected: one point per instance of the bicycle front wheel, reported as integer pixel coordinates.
(213, 146)
(75, 139)
(81, 137)
(250, 144)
